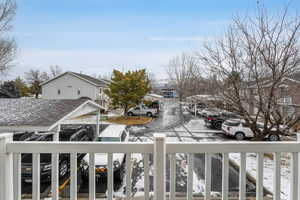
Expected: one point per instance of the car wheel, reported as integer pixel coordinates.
(240, 136)
(273, 137)
(130, 114)
(149, 114)
(119, 174)
(218, 126)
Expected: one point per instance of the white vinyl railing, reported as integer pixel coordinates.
(10, 165)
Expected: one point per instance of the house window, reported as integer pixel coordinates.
(58, 91)
(100, 90)
(283, 91)
(78, 92)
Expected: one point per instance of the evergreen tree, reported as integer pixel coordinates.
(9, 90)
(22, 87)
(128, 89)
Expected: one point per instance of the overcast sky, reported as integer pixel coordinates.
(96, 36)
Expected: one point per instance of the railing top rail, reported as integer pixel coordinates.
(79, 147)
(147, 147)
(233, 147)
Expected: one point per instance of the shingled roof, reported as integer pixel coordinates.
(87, 78)
(35, 112)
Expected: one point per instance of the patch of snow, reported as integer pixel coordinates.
(268, 171)
(137, 128)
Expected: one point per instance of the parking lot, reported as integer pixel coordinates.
(177, 125)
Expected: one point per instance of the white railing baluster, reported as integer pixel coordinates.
(294, 177)
(190, 176)
(159, 166)
(6, 167)
(242, 177)
(36, 176)
(277, 177)
(225, 176)
(92, 184)
(17, 176)
(146, 176)
(110, 176)
(172, 176)
(259, 176)
(298, 140)
(128, 176)
(54, 176)
(10, 161)
(73, 184)
(207, 175)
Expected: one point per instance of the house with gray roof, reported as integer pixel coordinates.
(71, 85)
(43, 115)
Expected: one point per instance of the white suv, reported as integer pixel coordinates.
(113, 133)
(239, 130)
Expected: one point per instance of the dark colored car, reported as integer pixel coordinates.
(22, 136)
(80, 134)
(214, 121)
(44, 160)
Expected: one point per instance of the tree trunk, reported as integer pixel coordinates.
(125, 110)
(36, 95)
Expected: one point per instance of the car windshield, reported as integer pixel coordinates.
(230, 115)
(213, 115)
(258, 125)
(108, 139)
(231, 123)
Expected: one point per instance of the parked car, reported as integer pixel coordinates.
(21, 136)
(80, 134)
(208, 111)
(142, 110)
(199, 107)
(26, 160)
(239, 130)
(215, 120)
(113, 133)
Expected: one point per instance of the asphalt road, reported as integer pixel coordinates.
(171, 116)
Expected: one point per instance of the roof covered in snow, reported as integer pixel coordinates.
(36, 112)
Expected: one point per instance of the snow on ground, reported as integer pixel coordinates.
(196, 126)
(196, 129)
(137, 128)
(268, 171)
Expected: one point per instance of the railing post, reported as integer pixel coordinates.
(6, 168)
(160, 166)
(298, 139)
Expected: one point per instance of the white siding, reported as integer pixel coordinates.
(68, 86)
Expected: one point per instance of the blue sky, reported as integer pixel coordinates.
(95, 36)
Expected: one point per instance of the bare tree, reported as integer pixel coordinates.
(34, 79)
(153, 82)
(251, 62)
(182, 70)
(55, 70)
(104, 76)
(7, 45)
